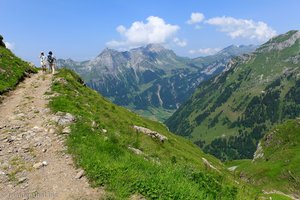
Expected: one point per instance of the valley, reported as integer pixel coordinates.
(151, 80)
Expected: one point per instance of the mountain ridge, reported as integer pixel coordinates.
(227, 115)
(151, 80)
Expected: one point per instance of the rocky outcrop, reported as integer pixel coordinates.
(151, 133)
(136, 151)
(259, 153)
(209, 165)
(232, 169)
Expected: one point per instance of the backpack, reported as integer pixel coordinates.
(50, 59)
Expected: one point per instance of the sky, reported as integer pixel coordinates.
(80, 30)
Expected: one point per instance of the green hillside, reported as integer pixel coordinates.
(228, 114)
(102, 142)
(12, 69)
(124, 161)
(277, 161)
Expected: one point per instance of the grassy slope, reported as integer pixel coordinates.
(170, 170)
(157, 114)
(279, 167)
(12, 70)
(226, 97)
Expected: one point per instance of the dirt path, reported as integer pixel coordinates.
(33, 162)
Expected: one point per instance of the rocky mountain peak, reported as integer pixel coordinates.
(236, 50)
(155, 48)
(150, 49)
(105, 58)
(108, 52)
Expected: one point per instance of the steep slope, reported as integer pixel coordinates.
(12, 69)
(151, 80)
(275, 166)
(228, 114)
(131, 155)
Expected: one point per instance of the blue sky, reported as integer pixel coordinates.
(82, 29)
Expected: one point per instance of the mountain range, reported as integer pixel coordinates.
(127, 156)
(123, 155)
(229, 114)
(150, 80)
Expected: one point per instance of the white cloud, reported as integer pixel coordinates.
(243, 28)
(121, 29)
(155, 30)
(9, 45)
(196, 18)
(178, 42)
(205, 51)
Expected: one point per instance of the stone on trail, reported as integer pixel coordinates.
(38, 165)
(37, 129)
(22, 180)
(66, 130)
(25, 146)
(51, 131)
(45, 163)
(79, 174)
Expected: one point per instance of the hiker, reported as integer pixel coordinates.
(1, 42)
(43, 61)
(51, 61)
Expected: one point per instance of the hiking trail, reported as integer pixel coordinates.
(34, 163)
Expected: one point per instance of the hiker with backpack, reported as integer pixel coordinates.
(51, 61)
(43, 61)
